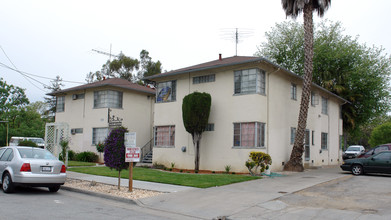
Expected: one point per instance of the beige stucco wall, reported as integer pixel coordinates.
(276, 109)
(136, 112)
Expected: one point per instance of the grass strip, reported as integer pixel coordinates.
(159, 176)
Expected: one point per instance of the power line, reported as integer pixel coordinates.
(28, 75)
(16, 69)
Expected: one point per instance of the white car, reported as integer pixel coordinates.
(353, 152)
(30, 166)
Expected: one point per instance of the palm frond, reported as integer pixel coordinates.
(294, 7)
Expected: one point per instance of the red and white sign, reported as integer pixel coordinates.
(132, 154)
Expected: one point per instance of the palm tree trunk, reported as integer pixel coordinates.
(295, 162)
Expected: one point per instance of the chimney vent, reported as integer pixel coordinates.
(220, 56)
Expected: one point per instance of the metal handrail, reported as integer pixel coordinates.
(146, 148)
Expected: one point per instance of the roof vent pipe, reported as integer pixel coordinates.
(220, 56)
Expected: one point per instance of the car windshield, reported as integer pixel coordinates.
(353, 149)
(36, 153)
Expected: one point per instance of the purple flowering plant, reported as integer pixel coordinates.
(114, 151)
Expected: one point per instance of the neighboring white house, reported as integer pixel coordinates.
(91, 110)
(255, 106)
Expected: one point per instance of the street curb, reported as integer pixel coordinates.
(100, 195)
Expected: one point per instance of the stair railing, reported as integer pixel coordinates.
(146, 148)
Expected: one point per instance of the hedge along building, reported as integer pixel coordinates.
(91, 110)
(255, 106)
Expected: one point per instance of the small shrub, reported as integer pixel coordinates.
(258, 162)
(158, 166)
(71, 155)
(213, 171)
(227, 168)
(181, 171)
(27, 143)
(172, 164)
(100, 147)
(195, 171)
(87, 156)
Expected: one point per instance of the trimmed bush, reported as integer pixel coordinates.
(87, 156)
(27, 143)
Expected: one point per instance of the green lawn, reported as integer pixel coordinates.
(72, 163)
(183, 179)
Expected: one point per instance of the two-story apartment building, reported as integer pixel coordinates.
(255, 107)
(91, 110)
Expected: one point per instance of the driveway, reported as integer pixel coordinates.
(353, 197)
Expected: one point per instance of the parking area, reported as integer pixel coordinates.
(366, 195)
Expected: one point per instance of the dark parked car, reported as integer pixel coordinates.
(375, 150)
(378, 163)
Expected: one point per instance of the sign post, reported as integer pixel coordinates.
(132, 154)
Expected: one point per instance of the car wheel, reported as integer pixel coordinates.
(357, 169)
(54, 188)
(8, 185)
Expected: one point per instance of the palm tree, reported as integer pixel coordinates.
(293, 8)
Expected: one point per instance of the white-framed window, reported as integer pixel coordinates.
(249, 134)
(314, 99)
(60, 103)
(210, 127)
(293, 135)
(324, 105)
(293, 91)
(77, 131)
(108, 99)
(99, 135)
(164, 136)
(166, 91)
(204, 79)
(78, 96)
(324, 140)
(249, 81)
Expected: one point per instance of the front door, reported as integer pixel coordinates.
(307, 145)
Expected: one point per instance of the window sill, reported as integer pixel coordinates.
(163, 146)
(236, 147)
(164, 102)
(255, 93)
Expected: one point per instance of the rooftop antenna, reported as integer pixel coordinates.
(105, 53)
(236, 35)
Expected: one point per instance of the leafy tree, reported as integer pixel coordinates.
(123, 67)
(293, 8)
(357, 73)
(114, 151)
(55, 86)
(195, 113)
(12, 101)
(381, 135)
(148, 67)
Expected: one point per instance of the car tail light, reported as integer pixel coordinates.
(63, 169)
(25, 168)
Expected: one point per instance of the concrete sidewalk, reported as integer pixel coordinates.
(236, 200)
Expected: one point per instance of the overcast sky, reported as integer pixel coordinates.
(50, 38)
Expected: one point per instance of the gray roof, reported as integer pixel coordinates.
(231, 61)
(113, 82)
